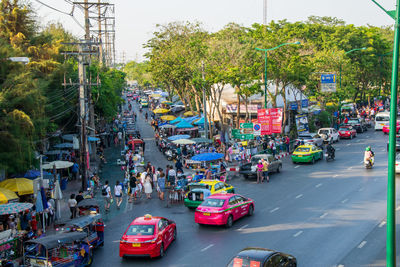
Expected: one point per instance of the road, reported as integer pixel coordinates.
(327, 214)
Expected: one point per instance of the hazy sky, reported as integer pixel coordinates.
(137, 20)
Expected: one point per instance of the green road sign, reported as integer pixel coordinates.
(246, 125)
(236, 133)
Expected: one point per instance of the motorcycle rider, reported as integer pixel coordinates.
(368, 155)
(330, 150)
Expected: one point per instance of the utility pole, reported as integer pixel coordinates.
(204, 103)
(87, 22)
(100, 33)
(265, 13)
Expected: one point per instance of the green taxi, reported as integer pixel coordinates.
(307, 153)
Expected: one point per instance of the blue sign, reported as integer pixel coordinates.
(293, 106)
(328, 82)
(304, 103)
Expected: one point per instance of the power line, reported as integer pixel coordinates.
(46, 5)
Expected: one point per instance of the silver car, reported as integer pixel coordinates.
(250, 169)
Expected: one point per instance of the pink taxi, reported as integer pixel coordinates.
(223, 209)
(385, 128)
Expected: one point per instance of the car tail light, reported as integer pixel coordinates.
(347, 132)
(150, 241)
(306, 154)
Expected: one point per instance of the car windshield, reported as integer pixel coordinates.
(303, 149)
(323, 131)
(344, 129)
(255, 159)
(243, 262)
(305, 137)
(196, 186)
(140, 229)
(382, 118)
(213, 202)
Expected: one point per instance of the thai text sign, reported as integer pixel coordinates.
(270, 120)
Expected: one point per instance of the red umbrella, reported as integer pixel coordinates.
(136, 141)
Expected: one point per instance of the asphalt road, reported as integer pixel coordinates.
(327, 214)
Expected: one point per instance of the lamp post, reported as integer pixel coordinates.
(265, 66)
(340, 78)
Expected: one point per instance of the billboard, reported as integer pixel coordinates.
(302, 123)
(270, 120)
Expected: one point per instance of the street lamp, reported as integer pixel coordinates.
(265, 66)
(391, 185)
(340, 78)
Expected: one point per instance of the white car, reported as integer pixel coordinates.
(397, 166)
(330, 135)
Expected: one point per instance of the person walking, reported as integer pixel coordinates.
(259, 172)
(161, 185)
(79, 197)
(147, 186)
(265, 170)
(118, 193)
(132, 187)
(106, 192)
(72, 205)
(179, 165)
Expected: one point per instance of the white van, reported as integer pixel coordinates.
(381, 119)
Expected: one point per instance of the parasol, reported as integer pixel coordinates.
(21, 186)
(183, 124)
(64, 145)
(69, 137)
(168, 118)
(155, 95)
(189, 113)
(202, 140)
(208, 156)
(167, 126)
(12, 208)
(166, 102)
(6, 195)
(161, 111)
(176, 120)
(184, 142)
(60, 164)
(179, 136)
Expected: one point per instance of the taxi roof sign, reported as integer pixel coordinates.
(147, 217)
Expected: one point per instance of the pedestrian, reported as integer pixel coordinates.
(265, 170)
(50, 212)
(75, 171)
(106, 193)
(139, 186)
(207, 173)
(119, 134)
(118, 194)
(132, 187)
(171, 176)
(161, 185)
(72, 205)
(287, 142)
(179, 165)
(259, 172)
(79, 197)
(147, 186)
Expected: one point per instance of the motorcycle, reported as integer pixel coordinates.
(171, 154)
(369, 164)
(330, 156)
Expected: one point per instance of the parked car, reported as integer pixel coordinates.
(329, 135)
(262, 257)
(250, 169)
(147, 235)
(223, 209)
(381, 119)
(347, 132)
(358, 124)
(177, 109)
(309, 138)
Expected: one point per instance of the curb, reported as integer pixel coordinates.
(280, 156)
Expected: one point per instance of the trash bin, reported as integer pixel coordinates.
(64, 183)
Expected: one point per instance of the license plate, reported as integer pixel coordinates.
(206, 214)
(382, 124)
(300, 156)
(326, 155)
(136, 245)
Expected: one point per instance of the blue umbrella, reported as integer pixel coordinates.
(208, 156)
(179, 119)
(183, 124)
(199, 122)
(39, 202)
(31, 174)
(44, 200)
(64, 145)
(179, 136)
(93, 139)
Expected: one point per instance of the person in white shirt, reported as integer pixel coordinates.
(118, 193)
(172, 176)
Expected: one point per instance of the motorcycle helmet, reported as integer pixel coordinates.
(368, 148)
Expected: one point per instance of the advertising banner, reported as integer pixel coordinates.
(302, 123)
(263, 115)
(328, 83)
(270, 120)
(276, 120)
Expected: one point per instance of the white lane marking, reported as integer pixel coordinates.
(298, 233)
(209, 246)
(274, 209)
(349, 168)
(358, 141)
(318, 185)
(299, 196)
(383, 150)
(362, 244)
(382, 224)
(337, 149)
(244, 226)
(340, 265)
(362, 161)
(115, 241)
(348, 144)
(323, 215)
(345, 200)
(361, 189)
(336, 175)
(297, 166)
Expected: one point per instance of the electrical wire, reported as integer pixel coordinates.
(46, 5)
(60, 94)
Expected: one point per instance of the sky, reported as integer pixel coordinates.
(136, 20)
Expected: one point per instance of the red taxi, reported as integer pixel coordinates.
(385, 128)
(347, 132)
(223, 209)
(147, 236)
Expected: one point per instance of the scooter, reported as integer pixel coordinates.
(171, 154)
(330, 156)
(369, 164)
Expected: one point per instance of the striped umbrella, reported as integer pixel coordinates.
(12, 208)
